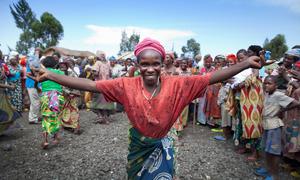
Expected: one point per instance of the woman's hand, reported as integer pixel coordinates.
(43, 74)
(295, 74)
(258, 62)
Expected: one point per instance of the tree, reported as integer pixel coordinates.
(277, 46)
(124, 42)
(133, 41)
(192, 47)
(48, 31)
(128, 44)
(24, 17)
(44, 33)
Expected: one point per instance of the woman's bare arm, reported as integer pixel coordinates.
(71, 82)
(224, 74)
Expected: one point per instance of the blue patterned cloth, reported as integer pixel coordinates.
(150, 158)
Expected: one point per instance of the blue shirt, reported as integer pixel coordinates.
(15, 74)
(31, 61)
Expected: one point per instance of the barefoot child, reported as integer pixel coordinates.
(274, 104)
(51, 104)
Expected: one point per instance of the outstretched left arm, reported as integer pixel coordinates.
(224, 74)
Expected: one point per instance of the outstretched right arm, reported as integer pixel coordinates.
(71, 82)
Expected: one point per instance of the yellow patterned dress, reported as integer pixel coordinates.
(251, 102)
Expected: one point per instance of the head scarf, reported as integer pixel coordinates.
(220, 57)
(112, 58)
(23, 61)
(152, 44)
(231, 58)
(294, 52)
(91, 58)
(297, 64)
(64, 62)
(198, 57)
(207, 56)
(13, 54)
(100, 54)
(171, 54)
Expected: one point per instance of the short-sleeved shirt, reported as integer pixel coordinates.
(51, 85)
(29, 83)
(154, 118)
(272, 105)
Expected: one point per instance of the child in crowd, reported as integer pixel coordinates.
(275, 103)
(52, 102)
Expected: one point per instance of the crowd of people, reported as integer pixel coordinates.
(256, 107)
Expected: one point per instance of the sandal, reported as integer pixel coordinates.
(45, 145)
(55, 142)
(77, 131)
(216, 130)
(241, 151)
(220, 138)
(252, 158)
(295, 174)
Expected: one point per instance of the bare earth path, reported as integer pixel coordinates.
(100, 153)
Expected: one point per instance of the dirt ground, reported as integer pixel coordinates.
(100, 153)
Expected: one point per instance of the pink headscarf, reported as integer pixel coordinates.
(149, 43)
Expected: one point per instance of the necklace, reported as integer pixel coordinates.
(153, 93)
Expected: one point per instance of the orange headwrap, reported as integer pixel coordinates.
(23, 61)
(231, 57)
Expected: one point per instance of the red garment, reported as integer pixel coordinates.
(154, 118)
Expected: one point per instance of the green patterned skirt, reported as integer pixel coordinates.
(51, 106)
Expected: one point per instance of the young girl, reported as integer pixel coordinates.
(51, 104)
(275, 103)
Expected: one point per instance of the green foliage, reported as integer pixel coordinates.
(128, 44)
(22, 14)
(48, 31)
(24, 18)
(175, 55)
(25, 43)
(41, 33)
(277, 46)
(191, 47)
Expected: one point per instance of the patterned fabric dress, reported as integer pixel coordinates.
(251, 102)
(8, 114)
(15, 95)
(52, 102)
(183, 118)
(98, 100)
(154, 162)
(202, 118)
(70, 112)
(291, 130)
(51, 105)
(211, 108)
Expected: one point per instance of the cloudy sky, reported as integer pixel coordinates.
(220, 26)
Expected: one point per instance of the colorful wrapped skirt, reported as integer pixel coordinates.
(51, 105)
(150, 158)
(182, 120)
(70, 113)
(8, 114)
(15, 95)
